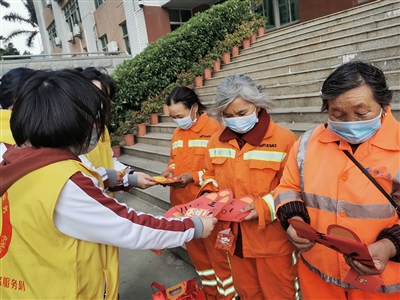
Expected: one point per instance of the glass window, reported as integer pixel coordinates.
(125, 36)
(72, 14)
(177, 17)
(97, 3)
(104, 43)
(51, 30)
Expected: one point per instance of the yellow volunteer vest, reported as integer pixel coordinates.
(5, 131)
(37, 261)
(100, 156)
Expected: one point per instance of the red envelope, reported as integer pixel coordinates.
(338, 238)
(231, 211)
(370, 284)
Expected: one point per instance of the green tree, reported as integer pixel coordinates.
(9, 50)
(4, 3)
(30, 20)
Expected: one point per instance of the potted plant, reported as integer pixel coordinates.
(185, 78)
(224, 48)
(260, 23)
(208, 65)
(126, 129)
(138, 119)
(151, 107)
(214, 56)
(197, 70)
(115, 141)
(245, 31)
(234, 39)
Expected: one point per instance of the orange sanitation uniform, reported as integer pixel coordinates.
(268, 268)
(188, 148)
(335, 191)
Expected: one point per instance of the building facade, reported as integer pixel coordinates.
(77, 27)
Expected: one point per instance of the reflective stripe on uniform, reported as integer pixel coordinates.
(222, 290)
(387, 289)
(301, 155)
(205, 182)
(171, 166)
(294, 258)
(197, 143)
(264, 155)
(177, 144)
(297, 295)
(208, 272)
(200, 173)
(269, 199)
(222, 152)
(353, 210)
(208, 282)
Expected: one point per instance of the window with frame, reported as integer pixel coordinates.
(125, 36)
(104, 43)
(177, 17)
(72, 14)
(51, 31)
(97, 3)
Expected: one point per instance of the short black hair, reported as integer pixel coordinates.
(9, 84)
(352, 75)
(58, 109)
(186, 96)
(108, 85)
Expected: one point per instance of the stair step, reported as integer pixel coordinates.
(152, 152)
(163, 127)
(155, 138)
(148, 166)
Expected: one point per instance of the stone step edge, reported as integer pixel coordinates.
(354, 11)
(281, 38)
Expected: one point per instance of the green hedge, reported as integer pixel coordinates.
(149, 72)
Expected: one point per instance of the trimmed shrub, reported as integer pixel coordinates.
(154, 69)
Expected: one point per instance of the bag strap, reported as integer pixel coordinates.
(355, 161)
(158, 286)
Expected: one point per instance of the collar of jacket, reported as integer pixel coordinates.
(201, 121)
(254, 136)
(387, 137)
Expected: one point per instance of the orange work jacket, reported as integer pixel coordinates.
(188, 149)
(256, 171)
(335, 191)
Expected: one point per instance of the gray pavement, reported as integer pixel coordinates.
(139, 268)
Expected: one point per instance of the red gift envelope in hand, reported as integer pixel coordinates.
(338, 238)
(231, 211)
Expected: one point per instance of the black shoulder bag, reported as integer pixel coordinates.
(355, 161)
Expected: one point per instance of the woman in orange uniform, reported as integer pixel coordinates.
(322, 186)
(188, 149)
(248, 157)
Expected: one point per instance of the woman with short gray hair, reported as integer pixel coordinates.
(248, 157)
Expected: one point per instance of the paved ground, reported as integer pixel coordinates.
(138, 269)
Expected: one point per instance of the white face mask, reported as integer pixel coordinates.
(94, 140)
(241, 124)
(186, 122)
(356, 132)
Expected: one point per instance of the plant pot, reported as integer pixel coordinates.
(141, 129)
(116, 151)
(165, 110)
(198, 81)
(153, 119)
(226, 58)
(253, 38)
(261, 31)
(129, 139)
(246, 44)
(217, 65)
(235, 51)
(207, 73)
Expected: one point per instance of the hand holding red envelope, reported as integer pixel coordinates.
(220, 205)
(345, 241)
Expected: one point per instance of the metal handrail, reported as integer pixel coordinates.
(72, 54)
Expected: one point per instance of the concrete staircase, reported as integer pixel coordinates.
(290, 63)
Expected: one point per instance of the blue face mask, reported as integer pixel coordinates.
(241, 124)
(356, 132)
(186, 122)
